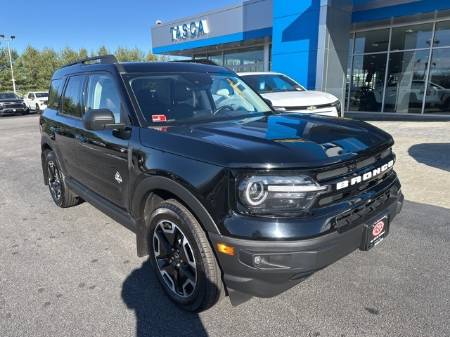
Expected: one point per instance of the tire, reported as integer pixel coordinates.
(37, 110)
(190, 259)
(61, 194)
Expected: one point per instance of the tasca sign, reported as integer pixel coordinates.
(187, 31)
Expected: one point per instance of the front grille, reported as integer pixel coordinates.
(354, 168)
(353, 217)
(12, 105)
(311, 107)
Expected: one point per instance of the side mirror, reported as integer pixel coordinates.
(98, 119)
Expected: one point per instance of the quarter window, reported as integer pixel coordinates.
(54, 95)
(72, 102)
(102, 93)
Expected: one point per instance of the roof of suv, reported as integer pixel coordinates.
(141, 67)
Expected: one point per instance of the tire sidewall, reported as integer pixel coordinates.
(175, 215)
(50, 156)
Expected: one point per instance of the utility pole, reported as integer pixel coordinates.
(8, 40)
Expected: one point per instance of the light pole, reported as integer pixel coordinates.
(8, 40)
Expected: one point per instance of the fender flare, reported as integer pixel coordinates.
(154, 183)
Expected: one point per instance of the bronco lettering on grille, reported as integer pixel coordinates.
(364, 177)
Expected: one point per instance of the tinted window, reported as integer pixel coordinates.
(41, 94)
(54, 94)
(8, 95)
(442, 37)
(72, 96)
(30, 96)
(103, 94)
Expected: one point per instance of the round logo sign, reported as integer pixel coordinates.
(378, 228)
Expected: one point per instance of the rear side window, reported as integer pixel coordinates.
(54, 95)
(72, 99)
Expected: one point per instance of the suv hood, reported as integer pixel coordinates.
(299, 98)
(284, 141)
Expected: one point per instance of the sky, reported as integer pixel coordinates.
(92, 23)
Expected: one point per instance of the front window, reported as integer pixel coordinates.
(271, 83)
(8, 95)
(194, 97)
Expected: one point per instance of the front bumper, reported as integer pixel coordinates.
(265, 268)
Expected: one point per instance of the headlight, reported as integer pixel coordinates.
(337, 105)
(278, 194)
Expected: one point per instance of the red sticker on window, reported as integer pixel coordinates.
(159, 118)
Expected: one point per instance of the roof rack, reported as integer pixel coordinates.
(105, 59)
(201, 61)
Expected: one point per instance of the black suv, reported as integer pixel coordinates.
(11, 104)
(226, 195)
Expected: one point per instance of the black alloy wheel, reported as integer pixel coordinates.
(174, 258)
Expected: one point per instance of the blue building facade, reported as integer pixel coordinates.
(386, 56)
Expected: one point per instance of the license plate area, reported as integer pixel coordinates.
(374, 233)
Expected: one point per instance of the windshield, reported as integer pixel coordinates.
(265, 83)
(41, 94)
(8, 95)
(194, 97)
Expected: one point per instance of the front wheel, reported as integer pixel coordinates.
(38, 109)
(183, 260)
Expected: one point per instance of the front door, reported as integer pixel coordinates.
(105, 153)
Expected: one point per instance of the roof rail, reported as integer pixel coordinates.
(105, 59)
(201, 61)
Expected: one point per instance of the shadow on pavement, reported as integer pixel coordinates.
(435, 155)
(155, 314)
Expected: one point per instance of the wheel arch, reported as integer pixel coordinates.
(147, 196)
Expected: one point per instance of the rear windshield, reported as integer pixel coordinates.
(41, 94)
(194, 97)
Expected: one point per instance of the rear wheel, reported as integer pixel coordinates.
(61, 194)
(183, 260)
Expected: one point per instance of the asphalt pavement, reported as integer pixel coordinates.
(74, 272)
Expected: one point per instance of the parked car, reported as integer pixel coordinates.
(285, 94)
(36, 100)
(11, 104)
(226, 195)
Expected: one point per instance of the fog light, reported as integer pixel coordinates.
(257, 259)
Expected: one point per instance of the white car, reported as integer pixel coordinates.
(36, 100)
(287, 95)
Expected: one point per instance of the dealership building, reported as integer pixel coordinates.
(378, 56)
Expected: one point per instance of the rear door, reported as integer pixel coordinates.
(69, 125)
(104, 154)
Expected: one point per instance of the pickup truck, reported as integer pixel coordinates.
(36, 100)
(226, 195)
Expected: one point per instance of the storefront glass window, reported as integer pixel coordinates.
(367, 82)
(442, 35)
(417, 80)
(248, 60)
(372, 41)
(406, 81)
(217, 59)
(437, 99)
(412, 37)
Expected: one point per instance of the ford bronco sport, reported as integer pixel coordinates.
(227, 196)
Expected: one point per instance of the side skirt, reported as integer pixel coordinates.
(102, 204)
